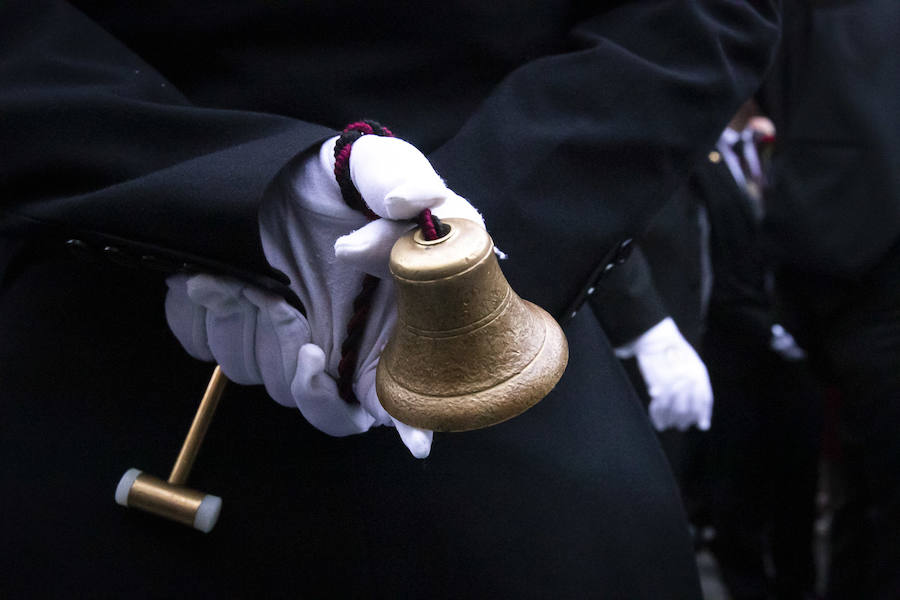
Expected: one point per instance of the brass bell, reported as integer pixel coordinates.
(467, 351)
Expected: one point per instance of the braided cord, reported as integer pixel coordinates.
(432, 229)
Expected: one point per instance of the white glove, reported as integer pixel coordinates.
(677, 380)
(308, 233)
(397, 182)
(784, 344)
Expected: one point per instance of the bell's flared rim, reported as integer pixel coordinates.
(486, 407)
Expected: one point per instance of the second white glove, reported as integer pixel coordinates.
(676, 378)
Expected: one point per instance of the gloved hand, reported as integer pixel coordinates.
(784, 344)
(676, 378)
(325, 247)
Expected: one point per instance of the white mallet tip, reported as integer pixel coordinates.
(208, 513)
(125, 484)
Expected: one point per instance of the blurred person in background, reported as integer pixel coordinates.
(763, 448)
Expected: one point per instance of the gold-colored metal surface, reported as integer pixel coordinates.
(467, 352)
(173, 502)
(171, 499)
(191, 446)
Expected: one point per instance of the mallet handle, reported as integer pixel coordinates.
(194, 438)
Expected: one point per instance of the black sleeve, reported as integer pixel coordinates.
(575, 152)
(626, 302)
(571, 153)
(98, 145)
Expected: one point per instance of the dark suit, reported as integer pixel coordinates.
(565, 128)
(763, 447)
(835, 224)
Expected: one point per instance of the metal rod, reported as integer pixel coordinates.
(195, 435)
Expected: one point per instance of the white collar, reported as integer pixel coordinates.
(725, 145)
(730, 136)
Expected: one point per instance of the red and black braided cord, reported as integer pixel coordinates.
(432, 229)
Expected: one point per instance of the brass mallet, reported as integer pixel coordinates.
(171, 499)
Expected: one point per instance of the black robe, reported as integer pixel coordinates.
(141, 137)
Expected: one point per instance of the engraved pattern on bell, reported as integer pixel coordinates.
(467, 352)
